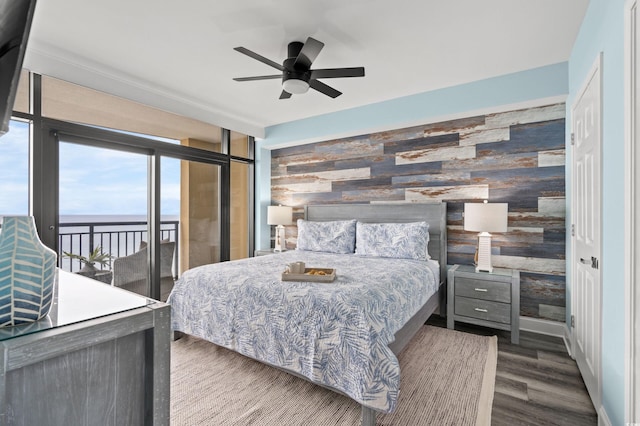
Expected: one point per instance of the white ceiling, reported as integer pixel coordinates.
(178, 55)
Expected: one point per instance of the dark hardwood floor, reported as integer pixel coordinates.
(537, 382)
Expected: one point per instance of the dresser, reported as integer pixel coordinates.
(490, 299)
(101, 357)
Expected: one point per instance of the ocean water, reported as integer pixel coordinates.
(110, 218)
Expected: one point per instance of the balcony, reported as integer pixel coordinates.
(122, 240)
(115, 238)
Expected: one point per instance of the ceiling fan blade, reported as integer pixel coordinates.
(259, 77)
(308, 53)
(323, 88)
(338, 72)
(259, 58)
(285, 95)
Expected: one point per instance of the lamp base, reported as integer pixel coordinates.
(483, 262)
(280, 241)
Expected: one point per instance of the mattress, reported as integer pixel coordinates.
(334, 334)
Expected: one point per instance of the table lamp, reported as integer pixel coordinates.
(279, 216)
(485, 218)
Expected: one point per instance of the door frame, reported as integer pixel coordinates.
(632, 214)
(595, 68)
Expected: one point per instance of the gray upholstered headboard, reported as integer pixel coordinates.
(433, 213)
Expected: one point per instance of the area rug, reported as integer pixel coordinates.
(448, 378)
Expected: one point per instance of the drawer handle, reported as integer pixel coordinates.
(484, 290)
(481, 310)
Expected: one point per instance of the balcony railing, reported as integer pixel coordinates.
(115, 238)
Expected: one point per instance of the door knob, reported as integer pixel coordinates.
(593, 262)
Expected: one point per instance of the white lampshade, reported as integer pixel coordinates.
(485, 217)
(279, 215)
(295, 86)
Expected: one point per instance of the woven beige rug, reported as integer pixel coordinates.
(448, 378)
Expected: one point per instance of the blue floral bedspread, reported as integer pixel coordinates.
(335, 334)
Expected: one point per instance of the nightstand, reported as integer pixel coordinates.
(265, 252)
(483, 298)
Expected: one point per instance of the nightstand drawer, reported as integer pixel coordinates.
(483, 289)
(482, 309)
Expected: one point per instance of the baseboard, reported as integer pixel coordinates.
(568, 340)
(603, 418)
(540, 326)
(549, 328)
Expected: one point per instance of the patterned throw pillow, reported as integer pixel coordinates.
(396, 240)
(330, 237)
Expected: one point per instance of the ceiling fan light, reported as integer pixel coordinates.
(295, 86)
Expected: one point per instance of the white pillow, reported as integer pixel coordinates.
(395, 240)
(332, 237)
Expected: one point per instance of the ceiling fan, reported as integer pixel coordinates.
(297, 75)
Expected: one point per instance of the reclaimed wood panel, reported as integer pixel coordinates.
(432, 142)
(436, 154)
(484, 136)
(517, 157)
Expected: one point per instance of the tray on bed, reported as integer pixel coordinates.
(328, 276)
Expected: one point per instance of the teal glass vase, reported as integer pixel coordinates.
(28, 272)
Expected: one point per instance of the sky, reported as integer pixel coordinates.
(14, 170)
(92, 180)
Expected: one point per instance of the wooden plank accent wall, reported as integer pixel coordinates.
(515, 157)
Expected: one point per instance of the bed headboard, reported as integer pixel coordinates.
(435, 214)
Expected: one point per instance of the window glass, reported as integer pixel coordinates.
(103, 208)
(14, 170)
(239, 210)
(199, 213)
(239, 145)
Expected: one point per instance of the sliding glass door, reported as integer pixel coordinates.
(103, 210)
(190, 193)
(82, 157)
(132, 215)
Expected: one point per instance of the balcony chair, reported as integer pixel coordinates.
(130, 272)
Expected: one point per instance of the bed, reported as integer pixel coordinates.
(343, 335)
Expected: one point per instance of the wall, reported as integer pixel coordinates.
(515, 157)
(603, 31)
(518, 90)
(78, 104)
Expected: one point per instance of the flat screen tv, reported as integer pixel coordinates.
(15, 24)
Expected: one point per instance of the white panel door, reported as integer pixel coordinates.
(586, 307)
(632, 211)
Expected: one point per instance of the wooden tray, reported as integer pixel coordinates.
(329, 277)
